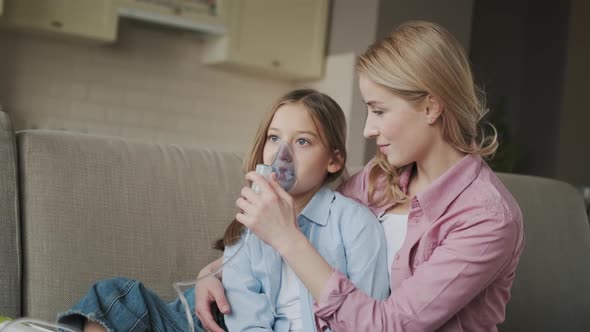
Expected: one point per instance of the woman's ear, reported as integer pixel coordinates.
(336, 162)
(433, 109)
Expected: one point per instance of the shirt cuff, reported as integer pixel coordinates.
(331, 298)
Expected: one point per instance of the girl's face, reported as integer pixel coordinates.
(293, 124)
(401, 129)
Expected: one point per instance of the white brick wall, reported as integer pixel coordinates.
(150, 86)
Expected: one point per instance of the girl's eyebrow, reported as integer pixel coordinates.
(311, 133)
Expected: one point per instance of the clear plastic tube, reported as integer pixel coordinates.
(177, 285)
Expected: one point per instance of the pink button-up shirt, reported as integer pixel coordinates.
(456, 266)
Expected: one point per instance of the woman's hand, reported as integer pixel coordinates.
(270, 213)
(210, 290)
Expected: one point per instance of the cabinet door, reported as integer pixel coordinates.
(189, 14)
(283, 35)
(280, 38)
(96, 19)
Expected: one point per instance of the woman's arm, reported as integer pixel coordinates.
(471, 257)
(209, 291)
(270, 214)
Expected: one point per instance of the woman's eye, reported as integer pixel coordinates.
(378, 112)
(273, 138)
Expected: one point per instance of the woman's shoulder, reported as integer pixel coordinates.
(488, 195)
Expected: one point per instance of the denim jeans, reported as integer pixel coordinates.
(121, 304)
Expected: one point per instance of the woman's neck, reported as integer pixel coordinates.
(439, 160)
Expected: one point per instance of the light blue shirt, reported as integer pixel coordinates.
(345, 233)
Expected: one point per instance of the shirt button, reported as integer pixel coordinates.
(396, 257)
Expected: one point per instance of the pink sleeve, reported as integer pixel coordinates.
(460, 268)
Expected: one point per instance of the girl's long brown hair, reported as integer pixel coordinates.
(330, 122)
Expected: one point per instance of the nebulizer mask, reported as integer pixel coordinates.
(283, 166)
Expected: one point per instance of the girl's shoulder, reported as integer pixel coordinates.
(346, 210)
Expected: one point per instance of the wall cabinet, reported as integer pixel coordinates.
(197, 15)
(279, 38)
(92, 19)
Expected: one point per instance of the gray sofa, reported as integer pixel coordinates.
(78, 208)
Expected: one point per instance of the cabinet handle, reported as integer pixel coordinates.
(57, 24)
(276, 63)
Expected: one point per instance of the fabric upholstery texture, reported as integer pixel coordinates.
(98, 207)
(9, 231)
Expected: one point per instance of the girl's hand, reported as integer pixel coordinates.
(270, 214)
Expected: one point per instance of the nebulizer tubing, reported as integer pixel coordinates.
(283, 166)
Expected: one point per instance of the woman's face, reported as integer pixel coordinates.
(401, 130)
(292, 124)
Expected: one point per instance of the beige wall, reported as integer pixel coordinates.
(352, 29)
(150, 85)
(353, 25)
(574, 134)
(454, 15)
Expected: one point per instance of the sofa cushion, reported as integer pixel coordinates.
(551, 291)
(97, 207)
(9, 249)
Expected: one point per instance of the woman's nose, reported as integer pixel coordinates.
(370, 131)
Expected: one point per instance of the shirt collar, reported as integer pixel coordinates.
(318, 208)
(443, 191)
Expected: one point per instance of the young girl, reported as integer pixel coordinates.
(264, 292)
(459, 231)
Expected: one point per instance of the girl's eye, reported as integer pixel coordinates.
(273, 138)
(378, 112)
(302, 141)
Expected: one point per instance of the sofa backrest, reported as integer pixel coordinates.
(97, 207)
(551, 291)
(9, 232)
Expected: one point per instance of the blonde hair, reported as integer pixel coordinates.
(416, 60)
(330, 123)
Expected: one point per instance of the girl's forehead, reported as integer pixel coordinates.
(293, 117)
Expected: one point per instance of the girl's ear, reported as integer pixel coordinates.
(335, 162)
(433, 109)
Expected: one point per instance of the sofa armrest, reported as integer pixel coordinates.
(10, 292)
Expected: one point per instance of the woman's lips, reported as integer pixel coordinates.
(382, 147)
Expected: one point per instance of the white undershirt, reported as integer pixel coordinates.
(395, 227)
(288, 301)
